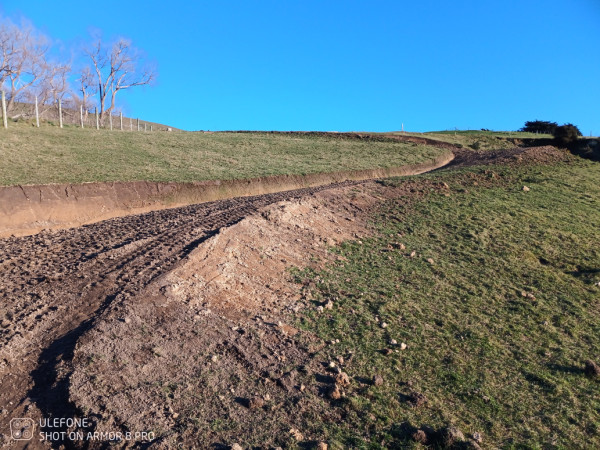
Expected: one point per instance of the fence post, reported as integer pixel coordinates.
(60, 113)
(81, 114)
(37, 113)
(97, 119)
(145, 129)
(4, 119)
(138, 124)
(110, 120)
(121, 116)
(150, 128)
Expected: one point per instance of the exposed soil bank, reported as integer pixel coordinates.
(28, 209)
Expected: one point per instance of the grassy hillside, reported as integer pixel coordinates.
(52, 155)
(499, 306)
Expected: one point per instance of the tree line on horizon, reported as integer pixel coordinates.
(30, 70)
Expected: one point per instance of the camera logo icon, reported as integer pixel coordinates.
(22, 429)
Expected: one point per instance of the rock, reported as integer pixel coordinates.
(383, 325)
(340, 360)
(377, 380)
(287, 380)
(403, 346)
(393, 342)
(420, 436)
(320, 309)
(331, 365)
(416, 399)
(255, 403)
(342, 379)
(413, 254)
(322, 446)
(127, 320)
(387, 351)
(236, 446)
(334, 392)
(591, 369)
(175, 415)
(430, 261)
(477, 437)
(526, 189)
(296, 434)
(328, 305)
(451, 435)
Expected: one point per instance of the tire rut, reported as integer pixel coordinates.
(54, 286)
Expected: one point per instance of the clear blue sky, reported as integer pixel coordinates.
(350, 65)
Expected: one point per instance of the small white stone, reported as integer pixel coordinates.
(403, 346)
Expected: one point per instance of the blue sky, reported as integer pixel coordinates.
(349, 65)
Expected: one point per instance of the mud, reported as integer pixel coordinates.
(29, 209)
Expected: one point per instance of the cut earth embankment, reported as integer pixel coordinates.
(28, 209)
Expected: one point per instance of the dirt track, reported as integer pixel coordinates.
(54, 287)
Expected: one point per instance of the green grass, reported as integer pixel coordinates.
(488, 359)
(52, 155)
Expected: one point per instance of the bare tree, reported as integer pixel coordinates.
(87, 87)
(117, 68)
(25, 67)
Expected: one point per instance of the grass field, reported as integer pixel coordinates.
(497, 324)
(52, 155)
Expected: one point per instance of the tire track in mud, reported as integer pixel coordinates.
(54, 285)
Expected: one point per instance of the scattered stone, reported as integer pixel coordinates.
(236, 446)
(477, 437)
(403, 346)
(450, 436)
(413, 254)
(322, 446)
(420, 436)
(331, 365)
(214, 358)
(296, 434)
(591, 369)
(342, 379)
(430, 261)
(302, 388)
(127, 320)
(383, 325)
(393, 342)
(340, 360)
(445, 185)
(334, 392)
(377, 380)
(175, 415)
(255, 403)
(416, 399)
(526, 189)
(328, 305)
(320, 309)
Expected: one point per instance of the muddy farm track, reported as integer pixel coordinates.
(55, 285)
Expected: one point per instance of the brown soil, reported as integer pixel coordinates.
(176, 321)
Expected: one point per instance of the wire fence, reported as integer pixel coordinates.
(71, 115)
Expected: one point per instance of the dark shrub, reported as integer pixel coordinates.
(566, 135)
(540, 126)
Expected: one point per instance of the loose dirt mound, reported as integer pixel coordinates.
(215, 334)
